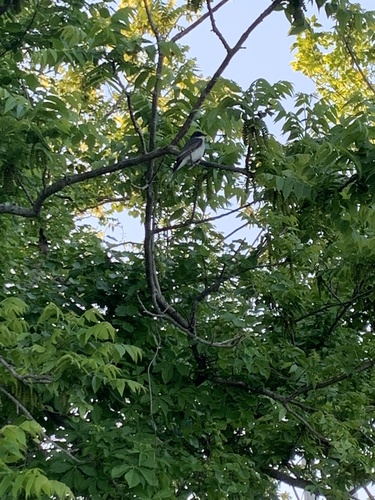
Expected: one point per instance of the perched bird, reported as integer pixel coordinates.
(192, 152)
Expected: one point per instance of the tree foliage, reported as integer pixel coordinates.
(340, 61)
(197, 364)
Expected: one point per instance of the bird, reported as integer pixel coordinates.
(192, 152)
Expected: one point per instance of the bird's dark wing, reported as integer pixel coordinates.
(189, 147)
(187, 151)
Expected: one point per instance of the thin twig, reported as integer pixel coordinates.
(102, 201)
(334, 380)
(215, 28)
(137, 128)
(214, 287)
(151, 363)
(335, 304)
(313, 431)
(284, 400)
(295, 493)
(219, 166)
(197, 23)
(201, 221)
(20, 183)
(345, 307)
(236, 230)
(16, 43)
(358, 66)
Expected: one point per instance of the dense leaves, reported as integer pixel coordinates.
(197, 364)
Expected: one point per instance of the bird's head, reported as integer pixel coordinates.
(198, 135)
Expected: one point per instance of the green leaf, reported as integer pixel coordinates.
(61, 466)
(132, 478)
(149, 475)
(119, 470)
(5, 483)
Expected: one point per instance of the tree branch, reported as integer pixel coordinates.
(16, 42)
(212, 82)
(201, 221)
(358, 66)
(149, 242)
(299, 417)
(219, 166)
(159, 70)
(215, 28)
(188, 331)
(102, 201)
(286, 478)
(284, 400)
(334, 380)
(161, 305)
(134, 122)
(214, 287)
(40, 379)
(235, 230)
(346, 303)
(69, 180)
(198, 22)
(28, 415)
(345, 306)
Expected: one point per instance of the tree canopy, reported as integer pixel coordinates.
(197, 364)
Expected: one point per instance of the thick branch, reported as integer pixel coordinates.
(149, 243)
(161, 305)
(69, 180)
(286, 478)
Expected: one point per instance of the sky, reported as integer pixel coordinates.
(266, 54)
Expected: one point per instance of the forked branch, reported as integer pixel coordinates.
(227, 59)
